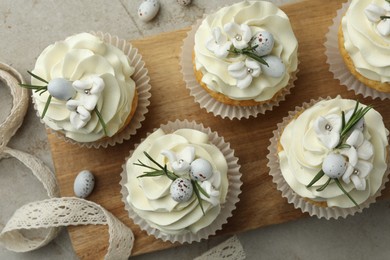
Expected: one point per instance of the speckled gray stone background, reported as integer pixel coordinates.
(27, 27)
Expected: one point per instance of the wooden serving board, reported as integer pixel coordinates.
(249, 137)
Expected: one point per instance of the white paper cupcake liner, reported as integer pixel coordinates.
(141, 80)
(337, 65)
(294, 198)
(234, 189)
(208, 102)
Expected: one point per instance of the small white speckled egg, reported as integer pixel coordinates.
(264, 41)
(148, 10)
(61, 89)
(201, 170)
(83, 184)
(275, 68)
(183, 2)
(334, 165)
(181, 190)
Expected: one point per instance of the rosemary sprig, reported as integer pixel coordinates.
(37, 77)
(345, 192)
(316, 178)
(249, 51)
(46, 106)
(31, 86)
(101, 120)
(325, 185)
(37, 88)
(43, 89)
(343, 146)
(156, 172)
(162, 170)
(201, 189)
(357, 114)
(198, 196)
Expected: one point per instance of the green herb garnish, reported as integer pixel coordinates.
(384, 16)
(345, 192)
(43, 89)
(101, 120)
(162, 170)
(357, 115)
(249, 51)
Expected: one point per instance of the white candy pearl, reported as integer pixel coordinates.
(265, 43)
(61, 89)
(183, 2)
(334, 165)
(181, 190)
(275, 68)
(83, 184)
(148, 10)
(201, 170)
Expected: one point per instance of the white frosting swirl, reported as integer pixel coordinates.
(79, 57)
(149, 197)
(303, 154)
(368, 49)
(260, 16)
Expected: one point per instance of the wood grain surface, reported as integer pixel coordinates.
(249, 137)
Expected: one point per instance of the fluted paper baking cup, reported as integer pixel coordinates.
(141, 79)
(337, 65)
(208, 102)
(294, 198)
(234, 189)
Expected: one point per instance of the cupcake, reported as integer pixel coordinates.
(329, 158)
(364, 42)
(181, 183)
(245, 54)
(83, 89)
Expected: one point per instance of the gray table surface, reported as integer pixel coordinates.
(27, 27)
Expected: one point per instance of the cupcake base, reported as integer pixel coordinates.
(141, 98)
(212, 105)
(314, 208)
(234, 190)
(337, 65)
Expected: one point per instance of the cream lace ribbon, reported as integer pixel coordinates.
(52, 213)
(55, 212)
(230, 249)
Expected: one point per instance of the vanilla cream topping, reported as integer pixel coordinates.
(259, 16)
(80, 57)
(303, 154)
(149, 197)
(368, 49)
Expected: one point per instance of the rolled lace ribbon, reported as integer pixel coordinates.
(230, 249)
(54, 212)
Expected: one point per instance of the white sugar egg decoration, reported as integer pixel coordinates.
(61, 89)
(334, 165)
(265, 43)
(183, 2)
(275, 68)
(83, 184)
(201, 170)
(181, 190)
(148, 10)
